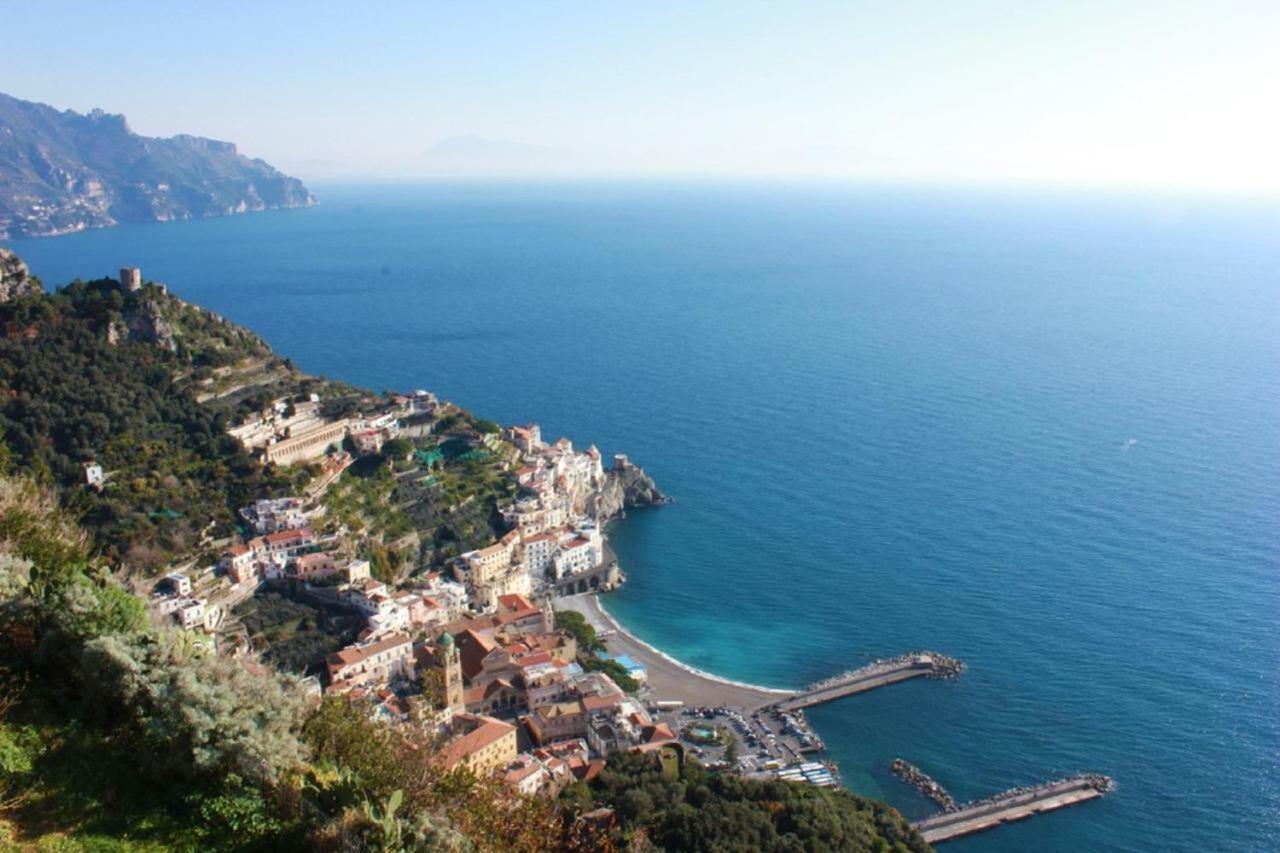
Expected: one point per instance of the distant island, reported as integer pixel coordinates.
(63, 171)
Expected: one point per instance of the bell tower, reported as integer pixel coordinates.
(449, 662)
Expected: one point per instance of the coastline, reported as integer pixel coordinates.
(669, 678)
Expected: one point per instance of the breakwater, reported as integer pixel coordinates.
(925, 784)
(919, 664)
(1013, 805)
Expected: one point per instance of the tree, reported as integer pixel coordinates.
(731, 751)
(204, 715)
(719, 811)
(583, 633)
(397, 449)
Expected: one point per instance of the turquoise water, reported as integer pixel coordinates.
(1037, 433)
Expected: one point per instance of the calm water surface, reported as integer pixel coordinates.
(1041, 434)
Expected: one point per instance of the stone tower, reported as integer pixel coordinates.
(131, 279)
(449, 663)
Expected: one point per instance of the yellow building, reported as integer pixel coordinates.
(484, 746)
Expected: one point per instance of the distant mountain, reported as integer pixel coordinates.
(61, 171)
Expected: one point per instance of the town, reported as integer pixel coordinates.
(470, 650)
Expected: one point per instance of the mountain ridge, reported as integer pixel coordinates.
(63, 171)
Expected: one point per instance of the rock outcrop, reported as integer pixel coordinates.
(624, 487)
(61, 171)
(147, 323)
(15, 280)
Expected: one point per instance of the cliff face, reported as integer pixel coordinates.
(61, 171)
(145, 321)
(15, 281)
(625, 488)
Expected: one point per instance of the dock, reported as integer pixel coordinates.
(1013, 805)
(876, 674)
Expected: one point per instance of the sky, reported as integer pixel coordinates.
(1168, 95)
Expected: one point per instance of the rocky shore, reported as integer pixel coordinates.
(924, 783)
(626, 486)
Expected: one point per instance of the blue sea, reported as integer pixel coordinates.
(1037, 432)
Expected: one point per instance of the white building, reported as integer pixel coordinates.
(272, 515)
(179, 583)
(450, 594)
(93, 475)
(539, 553)
(197, 613)
(579, 551)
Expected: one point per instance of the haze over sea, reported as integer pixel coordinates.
(1040, 433)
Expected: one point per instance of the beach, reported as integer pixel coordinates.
(669, 679)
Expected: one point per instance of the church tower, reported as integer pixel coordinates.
(449, 663)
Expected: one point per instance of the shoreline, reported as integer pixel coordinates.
(669, 678)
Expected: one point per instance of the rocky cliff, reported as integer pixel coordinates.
(61, 171)
(15, 281)
(624, 488)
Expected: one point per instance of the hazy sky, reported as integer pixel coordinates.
(1168, 94)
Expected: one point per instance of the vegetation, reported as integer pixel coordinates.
(113, 728)
(294, 636)
(707, 811)
(591, 649)
(392, 765)
(362, 500)
(68, 396)
(611, 668)
(118, 735)
(582, 631)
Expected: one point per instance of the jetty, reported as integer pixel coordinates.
(925, 784)
(879, 673)
(1012, 805)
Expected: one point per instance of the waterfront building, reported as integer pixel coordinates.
(575, 556)
(539, 553)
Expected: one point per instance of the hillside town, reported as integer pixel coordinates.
(468, 651)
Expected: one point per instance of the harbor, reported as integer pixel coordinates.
(879, 673)
(1013, 805)
(776, 739)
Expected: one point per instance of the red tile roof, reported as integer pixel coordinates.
(599, 703)
(514, 602)
(300, 534)
(355, 654)
(487, 731)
